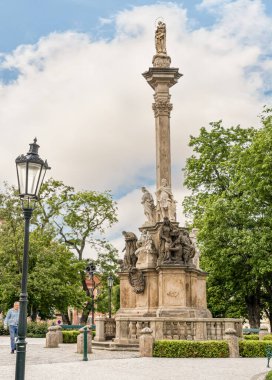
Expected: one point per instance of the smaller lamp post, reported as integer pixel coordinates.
(31, 170)
(90, 269)
(110, 285)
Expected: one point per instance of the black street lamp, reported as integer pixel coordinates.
(31, 170)
(110, 285)
(90, 269)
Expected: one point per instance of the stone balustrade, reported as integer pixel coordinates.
(128, 330)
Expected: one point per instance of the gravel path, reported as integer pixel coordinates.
(64, 363)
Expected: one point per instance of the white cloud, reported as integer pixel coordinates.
(105, 21)
(90, 107)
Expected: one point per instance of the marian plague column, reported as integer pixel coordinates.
(161, 285)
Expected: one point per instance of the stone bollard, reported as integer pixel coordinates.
(146, 342)
(59, 333)
(52, 337)
(263, 331)
(80, 341)
(100, 329)
(230, 335)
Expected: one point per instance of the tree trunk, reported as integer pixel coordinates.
(253, 310)
(85, 313)
(88, 307)
(268, 313)
(65, 318)
(33, 314)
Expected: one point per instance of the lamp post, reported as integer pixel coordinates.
(31, 170)
(90, 269)
(110, 285)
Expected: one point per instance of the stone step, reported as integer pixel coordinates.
(111, 346)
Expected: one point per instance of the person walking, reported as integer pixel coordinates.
(11, 322)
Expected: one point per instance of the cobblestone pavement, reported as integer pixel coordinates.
(64, 364)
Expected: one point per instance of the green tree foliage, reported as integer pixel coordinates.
(79, 219)
(53, 281)
(230, 179)
(107, 264)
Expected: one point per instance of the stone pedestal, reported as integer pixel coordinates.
(146, 342)
(231, 337)
(99, 329)
(169, 291)
(59, 333)
(80, 341)
(52, 337)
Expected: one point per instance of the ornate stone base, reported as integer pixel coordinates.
(161, 60)
(170, 290)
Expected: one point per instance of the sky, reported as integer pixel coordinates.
(71, 75)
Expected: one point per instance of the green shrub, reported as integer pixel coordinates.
(37, 329)
(70, 336)
(2, 330)
(253, 349)
(268, 376)
(31, 335)
(251, 337)
(191, 349)
(267, 337)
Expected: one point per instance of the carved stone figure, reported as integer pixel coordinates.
(160, 38)
(146, 252)
(175, 245)
(188, 248)
(149, 207)
(130, 258)
(176, 248)
(166, 205)
(136, 280)
(165, 241)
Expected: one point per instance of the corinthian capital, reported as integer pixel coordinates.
(162, 107)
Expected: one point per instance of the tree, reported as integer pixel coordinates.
(79, 219)
(107, 264)
(53, 270)
(231, 206)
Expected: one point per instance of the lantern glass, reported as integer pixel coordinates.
(21, 172)
(110, 282)
(34, 176)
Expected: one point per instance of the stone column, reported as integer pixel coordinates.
(146, 342)
(230, 336)
(99, 329)
(52, 337)
(161, 79)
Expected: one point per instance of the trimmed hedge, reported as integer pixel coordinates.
(34, 329)
(2, 330)
(253, 349)
(251, 337)
(70, 336)
(268, 376)
(37, 329)
(267, 337)
(190, 349)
